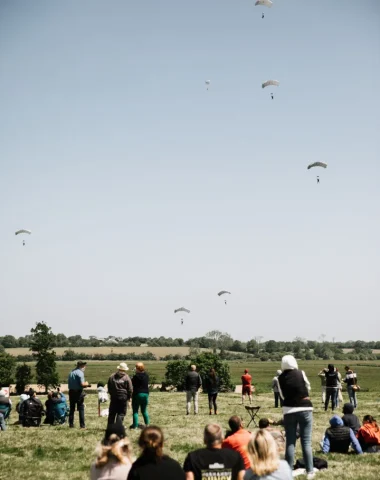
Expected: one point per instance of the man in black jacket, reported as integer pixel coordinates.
(332, 386)
(193, 382)
(32, 410)
(120, 390)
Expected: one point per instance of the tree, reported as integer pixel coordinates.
(207, 360)
(7, 368)
(219, 340)
(23, 377)
(175, 374)
(42, 341)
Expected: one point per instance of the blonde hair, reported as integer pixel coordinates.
(140, 367)
(212, 435)
(117, 448)
(263, 453)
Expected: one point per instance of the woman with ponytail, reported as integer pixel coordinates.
(114, 456)
(152, 463)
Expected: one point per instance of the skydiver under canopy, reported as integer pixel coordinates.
(181, 321)
(317, 179)
(272, 95)
(262, 15)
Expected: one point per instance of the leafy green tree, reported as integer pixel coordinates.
(7, 368)
(175, 374)
(207, 360)
(42, 342)
(24, 377)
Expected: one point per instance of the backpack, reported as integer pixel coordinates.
(32, 408)
(318, 463)
(102, 396)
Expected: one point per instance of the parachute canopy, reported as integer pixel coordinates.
(207, 82)
(275, 83)
(23, 231)
(182, 309)
(223, 292)
(264, 3)
(317, 164)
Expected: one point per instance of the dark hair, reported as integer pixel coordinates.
(100, 384)
(212, 373)
(330, 366)
(235, 423)
(370, 419)
(348, 408)
(152, 441)
(263, 423)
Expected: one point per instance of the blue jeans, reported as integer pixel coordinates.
(333, 394)
(305, 421)
(352, 396)
(2, 422)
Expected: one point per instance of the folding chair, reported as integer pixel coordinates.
(6, 411)
(253, 413)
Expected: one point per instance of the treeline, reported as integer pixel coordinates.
(207, 341)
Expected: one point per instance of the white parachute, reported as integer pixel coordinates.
(264, 3)
(207, 83)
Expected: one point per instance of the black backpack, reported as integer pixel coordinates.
(317, 463)
(33, 408)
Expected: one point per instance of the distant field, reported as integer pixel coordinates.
(349, 350)
(158, 351)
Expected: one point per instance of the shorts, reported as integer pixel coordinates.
(247, 389)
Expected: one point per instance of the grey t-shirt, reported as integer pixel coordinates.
(282, 473)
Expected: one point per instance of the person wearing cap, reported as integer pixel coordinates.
(277, 398)
(246, 388)
(114, 455)
(77, 383)
(120, 390)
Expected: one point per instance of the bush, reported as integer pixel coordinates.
(7, 368)
(23, 377)
(175, 374)
(207, 360)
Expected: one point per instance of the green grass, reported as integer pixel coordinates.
(62, 453)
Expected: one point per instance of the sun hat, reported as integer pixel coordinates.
(123, 367)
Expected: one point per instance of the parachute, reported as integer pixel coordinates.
(181, 309)
(23, 231)
(264, 3)
(224, 292)
(274, 83)
(317, 164)
(207, 82)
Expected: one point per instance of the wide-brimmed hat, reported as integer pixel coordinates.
(123, 367)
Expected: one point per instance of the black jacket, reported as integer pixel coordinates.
(32, 407)
(193, 381)
(140, 382)
(352, 421)
(120, 386)
(294, 389)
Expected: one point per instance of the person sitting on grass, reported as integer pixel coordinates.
(265, 461)
(264, 424)
(349, 418)
(114, 456)
(238, 439)
(214, 461)
(369, 435)
(338, 438)
(152, 464)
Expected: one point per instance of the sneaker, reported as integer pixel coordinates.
(310, 476)
(299, 471)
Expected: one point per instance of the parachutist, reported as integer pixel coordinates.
(272, 95)
(262, 15)
(181, 322)
(23, 243)
(225, 302)
(317, 179)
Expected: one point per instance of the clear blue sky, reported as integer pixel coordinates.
(145, 192)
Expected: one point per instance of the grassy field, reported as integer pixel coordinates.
(62, 453)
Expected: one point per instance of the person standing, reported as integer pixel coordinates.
(277, 398)
(77, 383)
(339, 397)
(351, 382)
(246, 388)
(120, 390)
(193, 383)
(298, 410)
(212, 386)
(140, 395)
(322, 376)
(332, 385)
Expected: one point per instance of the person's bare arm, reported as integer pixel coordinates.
(241, 475)
(190, 476)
